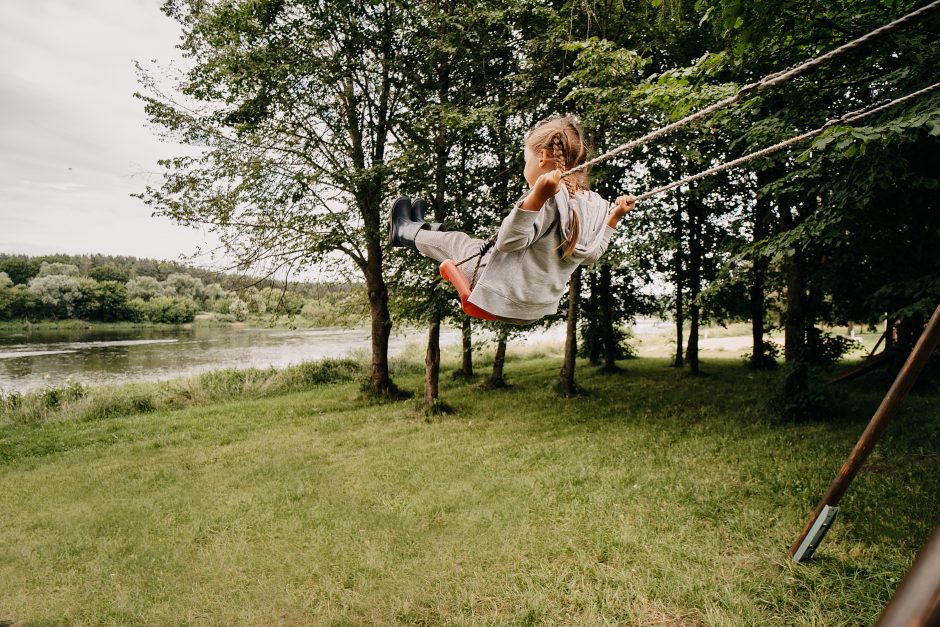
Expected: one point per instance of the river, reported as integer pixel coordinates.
(101, 355)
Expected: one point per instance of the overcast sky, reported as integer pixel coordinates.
(73, 140)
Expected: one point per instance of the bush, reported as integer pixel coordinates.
(57, 295)
(108, 273)
(20, 271)
(223, 305)
(825, 348)
(281, 302)
(771, 354)
(137, 310)
(239, 309)
(17, 302)
(622, 336)
(54, 396)
(321, 372)
(144, 288)
(185, 286)
(167, 310)
(105, 302)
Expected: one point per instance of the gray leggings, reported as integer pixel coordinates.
(443, 245)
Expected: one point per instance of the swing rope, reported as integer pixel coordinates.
(847, 118)
(768, 81)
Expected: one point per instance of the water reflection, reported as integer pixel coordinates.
(30, 359)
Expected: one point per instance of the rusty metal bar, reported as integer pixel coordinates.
(912, 368)
(916, 602)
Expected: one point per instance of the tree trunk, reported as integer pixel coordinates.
(795, 326)
(691, 350)
(432, 365)
(695, 279)
(466, 369)
(380, 384)
(432, 360)
(794, 322)
(609, 339)
(759, 359)
(566, 382)
(592, 322)
(796, 383)
(496, 377)
(678, 362)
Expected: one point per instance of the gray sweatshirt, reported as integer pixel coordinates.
(525, 276)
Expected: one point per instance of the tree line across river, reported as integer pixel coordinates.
(99, 288)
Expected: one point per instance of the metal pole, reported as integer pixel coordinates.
(806, 544)
(917, 599)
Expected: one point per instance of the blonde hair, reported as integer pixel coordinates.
(563, 138)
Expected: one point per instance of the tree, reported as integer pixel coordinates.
(20, 270)
(108, 272)
(566, 380)
(58, 294)
(56, 268)
(295, 102)
(185, 286)
(145, 288)
(104, 301)
(6, 296)
(239, 309)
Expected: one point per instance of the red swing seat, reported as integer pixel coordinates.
(455, 277)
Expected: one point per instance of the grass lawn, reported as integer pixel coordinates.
(655, 500)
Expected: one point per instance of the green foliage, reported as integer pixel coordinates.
(144, 288)
(184, 286)
(105, 301)
(622, 340)
(56, 268)
(108, 272)
(57, 295)
(167, 310)
(239, 309)
(19, 269)
(771, 353)
(288, 302)
(70, 400)
(54, 396)
(823, 348)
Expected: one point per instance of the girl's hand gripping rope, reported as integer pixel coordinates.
(622, 207)
(545, 187)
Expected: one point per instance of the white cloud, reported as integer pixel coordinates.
(73, 140)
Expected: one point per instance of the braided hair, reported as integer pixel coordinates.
(563, 138)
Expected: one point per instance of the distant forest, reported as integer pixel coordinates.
(106, 288)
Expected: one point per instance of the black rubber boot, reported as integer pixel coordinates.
(418, 207)
(401, 228)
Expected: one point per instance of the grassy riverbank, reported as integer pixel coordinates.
(657, 499)
(282, 322)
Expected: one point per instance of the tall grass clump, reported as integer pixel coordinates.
(73, 401)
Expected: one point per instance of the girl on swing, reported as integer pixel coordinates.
(550, 231)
